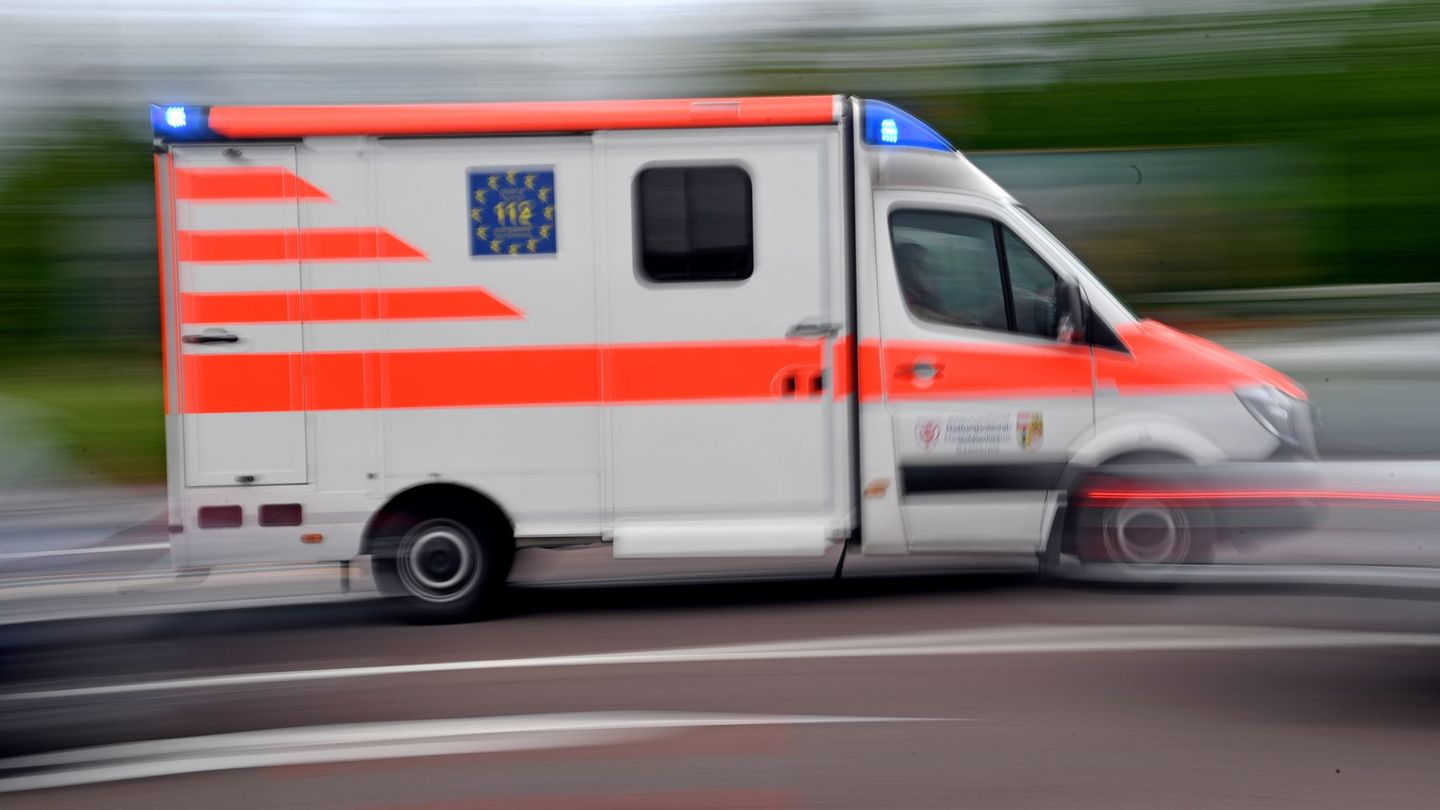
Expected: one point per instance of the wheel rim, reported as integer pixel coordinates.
(439, 561)
(1146, 533)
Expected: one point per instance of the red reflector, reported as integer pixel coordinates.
(280, 514)
(219, 517)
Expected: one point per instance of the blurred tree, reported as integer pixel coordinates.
(1356, 87)
(77, 238)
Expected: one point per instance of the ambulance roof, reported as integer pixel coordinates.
(184, 123)
(902, 150)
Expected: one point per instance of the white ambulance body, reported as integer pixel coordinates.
(747, 328)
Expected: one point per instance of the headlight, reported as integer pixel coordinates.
(1281, 414)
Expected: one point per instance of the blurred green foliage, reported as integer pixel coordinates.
(77, 241)
(1356, 85)
(103, 421)
(79, 321)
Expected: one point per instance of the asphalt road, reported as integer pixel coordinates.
(979, 691)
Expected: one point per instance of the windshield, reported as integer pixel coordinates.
(1059, 247)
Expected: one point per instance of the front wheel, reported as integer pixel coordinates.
(1142, 536)
(440, 569)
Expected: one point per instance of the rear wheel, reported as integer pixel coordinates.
(442, 568)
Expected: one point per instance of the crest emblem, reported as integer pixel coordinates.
(1030, 430)
(927, 433)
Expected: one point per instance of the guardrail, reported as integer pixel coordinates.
(1347, 301)
(1308, 293)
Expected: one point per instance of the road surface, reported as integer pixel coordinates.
(980, 691)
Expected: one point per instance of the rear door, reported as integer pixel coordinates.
(723, 302)
(984, 403)
(238, 252)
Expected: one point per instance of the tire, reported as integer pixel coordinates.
(1145, 533)
(1141, 537)
(442, 568)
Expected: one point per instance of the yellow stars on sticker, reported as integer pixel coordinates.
(512, 211)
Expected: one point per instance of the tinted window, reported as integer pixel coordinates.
(1032, 288)
(695, 223)
(949, 269)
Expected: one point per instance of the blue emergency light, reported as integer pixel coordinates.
(174, 122)
(888, 125)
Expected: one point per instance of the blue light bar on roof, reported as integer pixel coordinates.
(888, 125)
(175, 122)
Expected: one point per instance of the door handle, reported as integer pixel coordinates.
(212, 336)
(813, 329)
(922, 370)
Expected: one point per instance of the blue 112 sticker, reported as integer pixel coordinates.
(512, 211)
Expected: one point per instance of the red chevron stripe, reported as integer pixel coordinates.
(290, 245)
(343, 305)
(255, 184)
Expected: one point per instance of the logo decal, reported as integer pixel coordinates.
(927, 433)
(1030, 430)
(512, 211)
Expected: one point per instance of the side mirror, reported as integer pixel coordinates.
(1069, 313)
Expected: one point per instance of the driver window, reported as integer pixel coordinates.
(1032, 288)
(949, 270)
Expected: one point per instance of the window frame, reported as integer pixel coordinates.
(642, 273)
(1003, 229)
(997, 243)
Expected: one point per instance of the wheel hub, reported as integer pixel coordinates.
(438, 561)
(1147, 533)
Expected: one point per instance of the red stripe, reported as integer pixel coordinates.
(872, 375)
(243, 184)
(971, 370)
(546, 375)
(165, 332)
(571, 116)
(1167, 361)
(241, 383)
(343, 305)
(711, 371)
(840, 363)
(288, 245)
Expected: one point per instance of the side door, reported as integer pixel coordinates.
(984, 402)
(723, 300)
(238, 253)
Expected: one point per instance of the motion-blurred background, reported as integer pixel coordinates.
(1263, 172)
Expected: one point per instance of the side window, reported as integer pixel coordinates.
(1032, 288)
(695, 223)
(949, 268)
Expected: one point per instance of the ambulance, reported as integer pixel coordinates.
(712, 329)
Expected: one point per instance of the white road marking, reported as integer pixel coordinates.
(370, 741)
(74, 552)
(1008, 640)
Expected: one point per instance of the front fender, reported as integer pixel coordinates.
(1142, 433)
